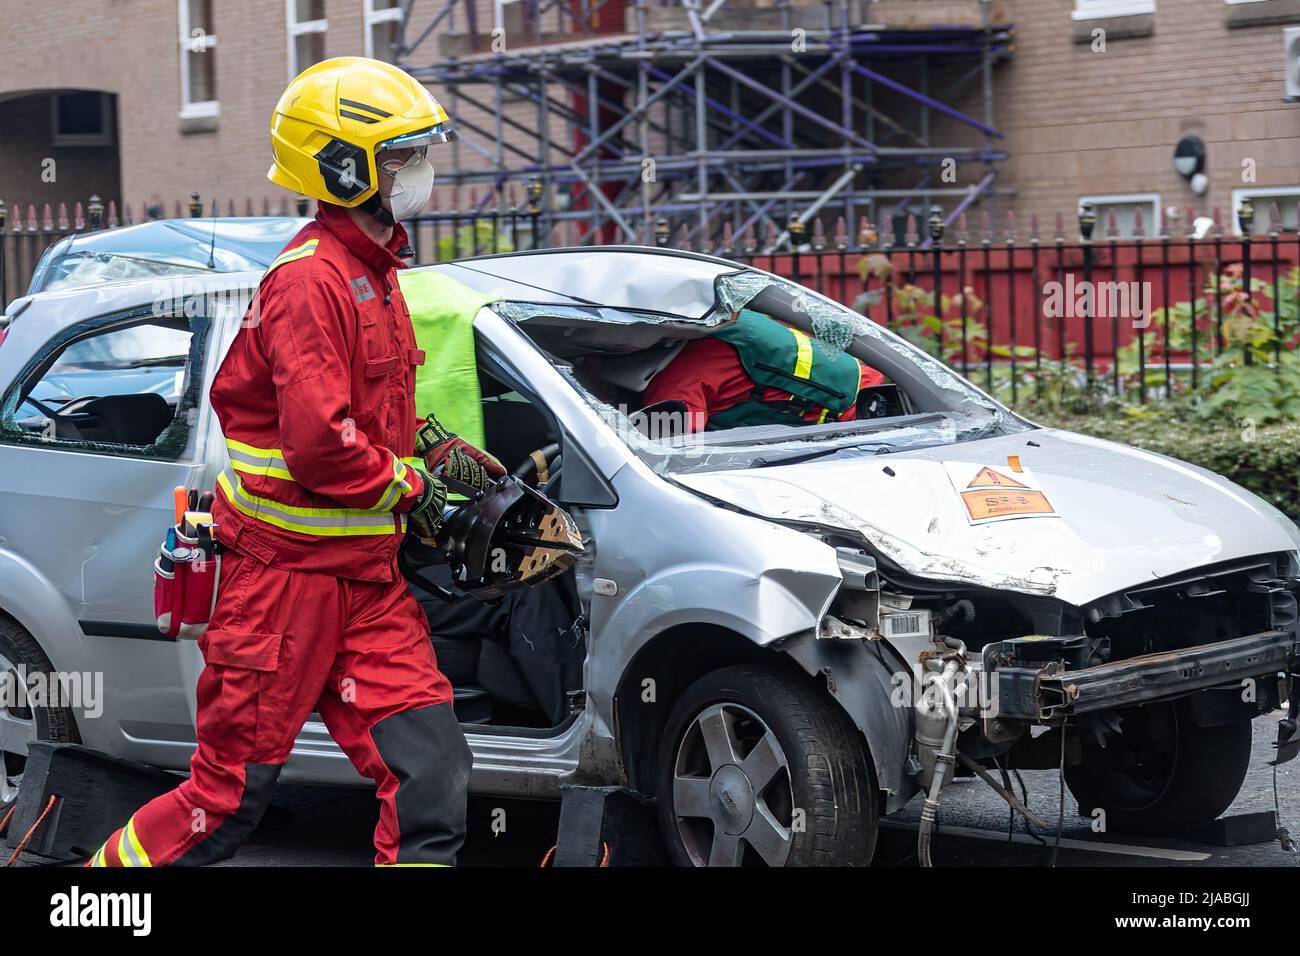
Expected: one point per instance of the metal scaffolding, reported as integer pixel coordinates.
(690, 124)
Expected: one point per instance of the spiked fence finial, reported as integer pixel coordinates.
(95, 209)
(1087, 220)
(935, 224)
(661, 232)
(1246, 216)
(796, 230)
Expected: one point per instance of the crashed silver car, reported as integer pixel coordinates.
(779, 632)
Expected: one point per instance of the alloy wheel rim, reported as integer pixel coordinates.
(17, 731)
(733, 799)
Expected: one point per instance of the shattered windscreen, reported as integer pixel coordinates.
(90, 268)
(942, 408)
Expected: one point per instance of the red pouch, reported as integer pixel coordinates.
(199, 593)
(185, 586)
(166, 608)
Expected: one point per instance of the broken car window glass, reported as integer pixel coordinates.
(125, 389)
(836, 327)
(942, 407)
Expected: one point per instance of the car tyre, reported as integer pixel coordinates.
(762, 767)
(1162, 772)
(21, 724)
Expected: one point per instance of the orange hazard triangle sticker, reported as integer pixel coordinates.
(988, 478)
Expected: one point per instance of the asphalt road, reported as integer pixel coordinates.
(321, 827)
(973, 825)
(333, 828)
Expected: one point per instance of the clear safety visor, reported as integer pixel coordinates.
(392, 164)
(441, 133)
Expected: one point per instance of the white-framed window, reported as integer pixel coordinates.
(383, 19)
(1125, 206)
(198, 45)
(81, 119)
(306, 20)
(1262, 199)
(1096, 9)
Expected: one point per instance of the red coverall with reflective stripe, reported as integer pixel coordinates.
(319, 385)
(324, 374)
(707, 376)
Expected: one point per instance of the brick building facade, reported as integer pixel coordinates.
(189, 86)
(1080, 122)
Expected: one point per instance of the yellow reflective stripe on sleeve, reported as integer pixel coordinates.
(98, 858)
(134, 849)
(122, 854)
(390, 866)
(308, 248)
(396, 488)
(250, 460)
(803, 362)
(314, 521)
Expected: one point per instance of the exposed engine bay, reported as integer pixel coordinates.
(1005, 681)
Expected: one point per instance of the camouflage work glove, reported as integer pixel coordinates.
(425, 517)
(434, 443)
(464, 475)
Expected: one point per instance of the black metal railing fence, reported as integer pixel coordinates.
(1138, 315)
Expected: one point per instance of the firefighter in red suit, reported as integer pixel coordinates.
(758, 371)
(315, 400)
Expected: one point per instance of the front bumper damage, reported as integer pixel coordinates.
(1052, 691)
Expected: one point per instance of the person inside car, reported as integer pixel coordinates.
(759, 371)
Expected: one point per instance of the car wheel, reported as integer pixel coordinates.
(762, 768)
(21, 721)
(1161, 772)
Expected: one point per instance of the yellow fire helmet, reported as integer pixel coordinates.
(336, 115)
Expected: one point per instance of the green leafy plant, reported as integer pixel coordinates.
(1253, 373)
(958, 334)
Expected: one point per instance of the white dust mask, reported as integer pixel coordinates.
(412, 187)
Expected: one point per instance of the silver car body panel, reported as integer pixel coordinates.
(617, 277)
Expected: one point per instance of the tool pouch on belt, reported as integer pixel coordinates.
(185, 576)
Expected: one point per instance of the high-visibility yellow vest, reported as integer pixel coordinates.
(442, 316)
